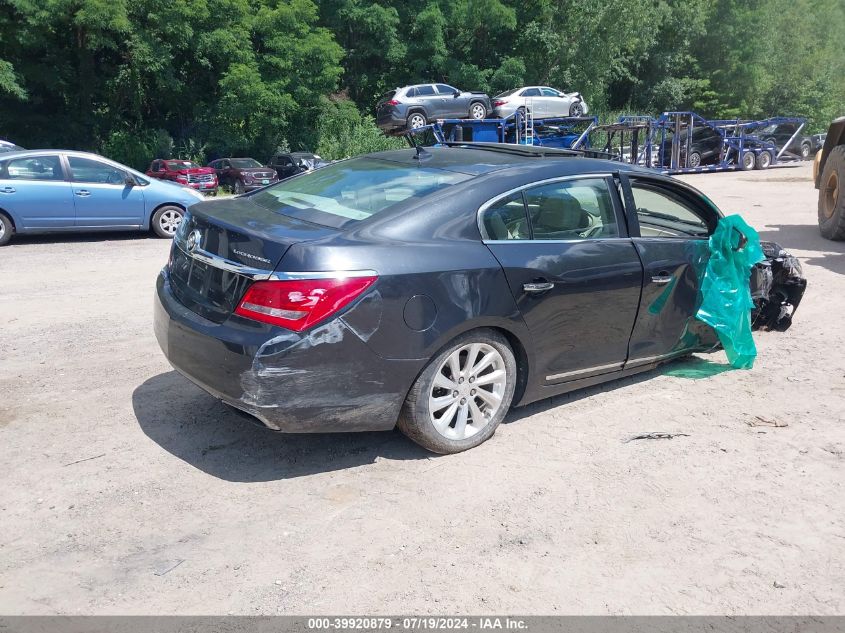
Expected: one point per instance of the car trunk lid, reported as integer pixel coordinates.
(223, 246)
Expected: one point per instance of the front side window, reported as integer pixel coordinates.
(664, 213)
(353, 190)
(548, 92)
(94, 171)
(32, 168)
(506, 219)
(571, 210)
(445, 90)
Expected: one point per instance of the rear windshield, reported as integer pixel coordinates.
(353, 190)
(387, 97)
(507, 93)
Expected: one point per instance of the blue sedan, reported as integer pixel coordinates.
(44, 191)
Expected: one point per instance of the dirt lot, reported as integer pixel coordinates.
(128, 490)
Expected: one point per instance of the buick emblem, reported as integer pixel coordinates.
(193, 241)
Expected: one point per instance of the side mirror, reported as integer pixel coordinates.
(456, 94)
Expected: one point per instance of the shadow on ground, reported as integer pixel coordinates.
(804, 237)
(225, 443)
(70, 238)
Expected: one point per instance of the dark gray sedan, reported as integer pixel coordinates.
(412, 107)
(434, 289)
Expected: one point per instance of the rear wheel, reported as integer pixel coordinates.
(764, 160)
(166, 220)
(477, 111)
(832, 196)
(805, 151)
(7, 229)
(416, 120)
(462, 395)
(747, 161)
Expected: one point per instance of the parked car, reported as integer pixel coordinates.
(287, 164)
(528, 277)
(706, 146)
(412, 107)
(185, 172)
(544, 102)
(43, 191)
(6, 146)
(780, 133)
(818, 141)
(242, 174)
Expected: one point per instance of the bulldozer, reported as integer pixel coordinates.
(829, 176)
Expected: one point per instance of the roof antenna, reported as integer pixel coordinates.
(421, 154)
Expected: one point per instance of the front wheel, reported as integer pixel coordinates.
(239, 187)
(694, 160)
(576, 109)
(477, 111)
(462, 395)
(805, 151)
(167, 220)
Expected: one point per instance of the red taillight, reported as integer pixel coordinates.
(392, 102)
(499, 103)
(300, 303)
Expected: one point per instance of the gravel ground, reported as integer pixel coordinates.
(128, 490)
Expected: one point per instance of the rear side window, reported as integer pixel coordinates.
(665, 213)
(572, 209)
(506, 219)
(32, 168)
(424, 91)
(353, 190)
(530, 92)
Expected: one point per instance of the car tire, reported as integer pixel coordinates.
(832, 196)
(805, 151)
(764, 160)
(239, 187)
(747, 161)
(455, 429)
(7, 229)
(416, 120)
(477, 111)
(694, 160)
(166, 220)
(576, 109)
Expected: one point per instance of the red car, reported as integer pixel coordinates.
(185, 172)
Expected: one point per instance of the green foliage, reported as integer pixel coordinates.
(205, 78)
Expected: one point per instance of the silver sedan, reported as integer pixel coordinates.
(543, 102)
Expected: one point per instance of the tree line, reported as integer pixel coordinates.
(135, 79)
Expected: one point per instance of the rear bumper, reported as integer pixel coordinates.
(327, 380)
(392, 120)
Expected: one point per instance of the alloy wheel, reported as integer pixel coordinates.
(467, 391)
(416, 121)
(577, 109)
(477, 111)
(169, 221)
(2, 228)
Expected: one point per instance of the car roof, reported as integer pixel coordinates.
(484, 158)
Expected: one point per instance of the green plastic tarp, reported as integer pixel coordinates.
(726, 303)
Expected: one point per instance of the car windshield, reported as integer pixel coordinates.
(175, 165)
(245, 163)
(353, 190)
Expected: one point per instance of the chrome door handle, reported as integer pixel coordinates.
(7, 190)
(538, 286)
(661, 279)
(82, 192)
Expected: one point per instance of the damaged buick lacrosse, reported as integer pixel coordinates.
(436, 288)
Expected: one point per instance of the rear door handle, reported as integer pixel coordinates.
(7, 190)
(539, 286)
(82, 192)
(662, 278)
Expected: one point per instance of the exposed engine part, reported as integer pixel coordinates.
(777, 286)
